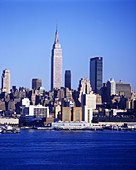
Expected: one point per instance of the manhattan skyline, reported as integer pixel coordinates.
(86, 29)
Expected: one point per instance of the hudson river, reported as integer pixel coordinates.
(48, 149)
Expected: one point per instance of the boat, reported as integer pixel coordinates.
(9, 129)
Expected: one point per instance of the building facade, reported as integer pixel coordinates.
(68, 79)
(38, 111)
(56, 64)
(66, 114)
(26, 102)
(111, 89)
(96, 74)
(84, 87)
(123, 89)
(11, 121)
(71, 114)
(88, 103)
(77, 114)
(36, 84)
(6, 81)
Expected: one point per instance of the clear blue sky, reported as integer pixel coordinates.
(87, 28)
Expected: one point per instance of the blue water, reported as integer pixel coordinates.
(39, 149)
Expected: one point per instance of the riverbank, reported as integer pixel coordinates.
(86, 126)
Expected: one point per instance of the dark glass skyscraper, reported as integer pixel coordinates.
(68, 79)
(96, 74)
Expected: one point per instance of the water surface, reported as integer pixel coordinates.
(49, 149)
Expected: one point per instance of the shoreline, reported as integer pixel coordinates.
(94, 127)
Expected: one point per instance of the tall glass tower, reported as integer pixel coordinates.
(96, 74)
(56, 64)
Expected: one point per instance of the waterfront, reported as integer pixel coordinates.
(49, 149)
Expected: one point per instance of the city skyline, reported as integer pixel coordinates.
(84, 31)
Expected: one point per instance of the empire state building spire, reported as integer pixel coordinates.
(56, 64)
(56, 37)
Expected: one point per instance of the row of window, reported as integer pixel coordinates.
(40, 110)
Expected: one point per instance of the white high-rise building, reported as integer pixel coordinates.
(88, 103)
(6, 81)
(56, 64)
(111, 88)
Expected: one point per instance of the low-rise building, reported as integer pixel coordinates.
(7, 120)
(33, 113)
(77, 114)
(38, 111)
(66, 114)
(71, 114)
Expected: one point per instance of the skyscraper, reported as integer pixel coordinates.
(6, 81)
(111, 88)
(96, 74)
(84, 87)
(36, 83)
(68, 79)
(56, 64)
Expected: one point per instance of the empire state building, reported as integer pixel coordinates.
(56, 64)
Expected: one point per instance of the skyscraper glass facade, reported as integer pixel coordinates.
(96, 74)
(68, 79)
